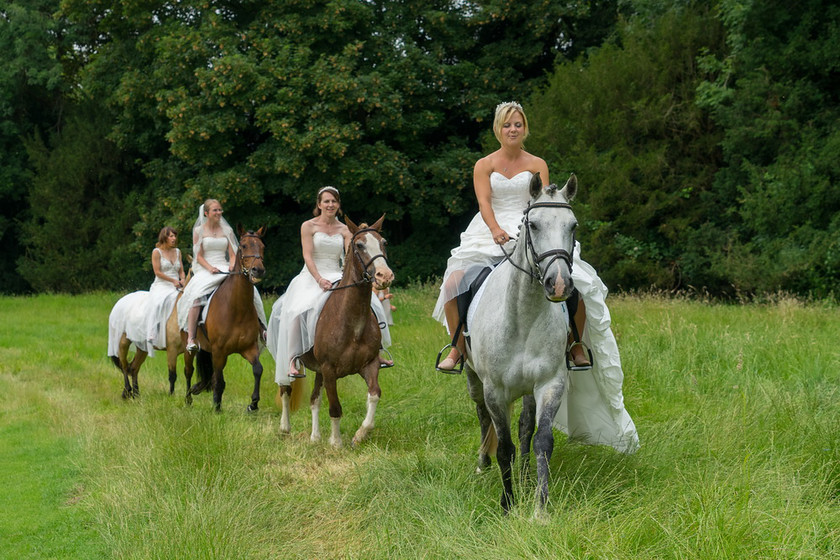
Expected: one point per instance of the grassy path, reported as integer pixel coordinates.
(737, 409)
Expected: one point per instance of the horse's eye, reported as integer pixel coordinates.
(533, 226)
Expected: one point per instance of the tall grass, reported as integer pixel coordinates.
(736, 406)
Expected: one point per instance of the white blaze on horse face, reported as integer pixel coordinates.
(383, 274)
(552, 229)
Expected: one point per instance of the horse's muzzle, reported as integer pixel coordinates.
(255, 275)
(383, 278)
(558, 285)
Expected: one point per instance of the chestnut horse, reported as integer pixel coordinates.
(174, 345)
(231, 325)
(347, 335)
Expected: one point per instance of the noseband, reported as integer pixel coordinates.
(535, 259)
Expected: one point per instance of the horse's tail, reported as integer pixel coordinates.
(298, 394)
(490, 443)
(116, 361)
(204, 367)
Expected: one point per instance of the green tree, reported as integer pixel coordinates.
(776, 96)
(624, 119)
(259, 104)
(32, 89)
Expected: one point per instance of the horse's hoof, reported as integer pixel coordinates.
(251, 408)
(188, 399)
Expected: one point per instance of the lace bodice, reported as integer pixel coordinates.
(327, 252)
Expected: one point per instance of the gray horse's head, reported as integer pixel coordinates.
(550, 233)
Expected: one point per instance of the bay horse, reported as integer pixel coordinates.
(518, 332)
(231, 325)
(118, 325)
(347, 335)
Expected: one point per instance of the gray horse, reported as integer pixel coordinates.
(518, 331)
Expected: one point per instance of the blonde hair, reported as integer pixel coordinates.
(208, 202)
(503, 112)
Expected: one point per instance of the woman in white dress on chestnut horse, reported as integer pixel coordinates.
(291, 327)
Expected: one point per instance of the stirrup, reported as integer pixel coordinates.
(459, 363)
(301, 374)
(390, 358)
(570, 363)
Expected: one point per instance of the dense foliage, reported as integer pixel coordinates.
(702, 135)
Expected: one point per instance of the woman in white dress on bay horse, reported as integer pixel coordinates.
(501, 182)
(214, 248)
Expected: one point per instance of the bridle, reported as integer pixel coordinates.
(243, 270)
(367, 277)
(534, 259)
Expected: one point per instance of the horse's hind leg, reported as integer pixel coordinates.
(335, 409)
(188, 373)
(315, 408)
(527, 423)
(134, 371)
(488, 434)
(218, 380)
(371, 376)
(172, 365)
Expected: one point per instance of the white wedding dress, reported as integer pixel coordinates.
(204, 282)
(142, 315)
(162, 296)
(291, 327)
(593, 408)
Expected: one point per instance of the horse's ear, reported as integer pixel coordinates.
(571, 187)
(239, 229)
(350, 225)
(377, 225)
(536, 185)
(261, 232)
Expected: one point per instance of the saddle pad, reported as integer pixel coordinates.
(480, 293)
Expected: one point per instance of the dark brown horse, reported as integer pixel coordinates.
(231, 325)
(347, 335)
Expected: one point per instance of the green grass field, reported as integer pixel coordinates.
(737, 409)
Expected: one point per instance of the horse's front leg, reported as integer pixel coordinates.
(489, 440)
(498, 407)
(370, 373)
(527, 422)
(315, 407)
(257, 368)
(548, 400)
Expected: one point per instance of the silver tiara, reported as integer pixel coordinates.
(506, 104)
(327, 188)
